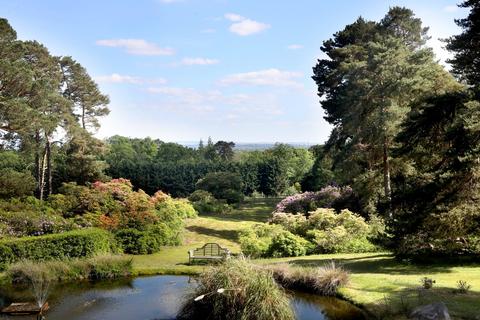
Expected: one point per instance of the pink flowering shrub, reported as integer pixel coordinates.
(311, 201)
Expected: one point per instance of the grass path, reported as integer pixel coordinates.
(222, 229)
(378, 281)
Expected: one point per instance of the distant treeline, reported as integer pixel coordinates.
(154, 165)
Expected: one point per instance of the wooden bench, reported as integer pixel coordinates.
(210, 251)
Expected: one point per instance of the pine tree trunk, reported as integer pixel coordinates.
(48, 153)
(37, 162)
(386, 173)
(42, 174)
(83, 117)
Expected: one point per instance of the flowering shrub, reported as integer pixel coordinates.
(150, 221)
(31, 223)
(310, 201)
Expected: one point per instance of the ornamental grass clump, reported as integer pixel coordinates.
(235, 290)
(325, 280)
(95, 268)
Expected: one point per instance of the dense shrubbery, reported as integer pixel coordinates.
(323, 231)
(328, 197)
(223, 186)
(32, 223)
(255, 242)
(286, 244)
(331, 232)
(204, 202)
(141, 223)
(73, 244)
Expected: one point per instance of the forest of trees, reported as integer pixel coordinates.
(405, 137)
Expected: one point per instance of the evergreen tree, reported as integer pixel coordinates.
(374, 72)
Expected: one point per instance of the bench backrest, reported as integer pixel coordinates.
(210, 249)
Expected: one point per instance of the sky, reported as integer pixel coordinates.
(184, 70)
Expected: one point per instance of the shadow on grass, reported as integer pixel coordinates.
(231, 235)
(377, 263)
(254, 210)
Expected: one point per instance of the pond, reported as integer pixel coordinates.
(156, 297)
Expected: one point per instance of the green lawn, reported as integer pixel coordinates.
(222, 229)
(378, 281)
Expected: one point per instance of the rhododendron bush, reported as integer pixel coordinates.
(112, 205)
(305, 202)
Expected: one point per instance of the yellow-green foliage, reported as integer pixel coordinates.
(330, 231)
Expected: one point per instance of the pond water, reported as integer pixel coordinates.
(156, 297)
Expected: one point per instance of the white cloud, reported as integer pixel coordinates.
(244, 26)
(137, 47)
(198, 61)
(295, 46)
(118, 78)
(268, 77)
(234, 17)
(451, 8)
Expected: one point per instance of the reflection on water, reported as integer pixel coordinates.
(157, 297)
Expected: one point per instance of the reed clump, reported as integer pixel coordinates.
(237, 289)
(95, 268)
(324, 280)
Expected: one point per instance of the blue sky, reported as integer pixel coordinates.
(181, 70)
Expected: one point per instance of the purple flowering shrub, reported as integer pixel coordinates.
(31, 223)
(310, 201)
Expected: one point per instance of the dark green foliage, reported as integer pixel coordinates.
(134, 241)
(153, 165)
(272, 180)
(6, 256)
(64, 102)
(73, 244)
(373, 72)
(200, 195)
(466, 46)
(212, 206)
(222, 185)
(16, 184)
(436, 203)
(224, 150)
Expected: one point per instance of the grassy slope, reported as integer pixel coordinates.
(220, 229)
(377, 281)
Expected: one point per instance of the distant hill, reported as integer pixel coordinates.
(250, 146)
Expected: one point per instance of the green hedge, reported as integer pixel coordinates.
(73, 244)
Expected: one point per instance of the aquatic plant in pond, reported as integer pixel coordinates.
(237, 289)
(39, 278)
(324, 280)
